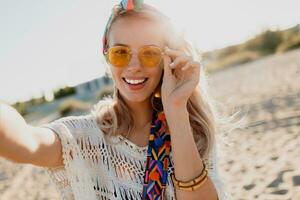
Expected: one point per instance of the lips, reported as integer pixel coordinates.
(134, 87)
(135, 79)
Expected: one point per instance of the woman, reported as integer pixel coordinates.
(153, 140)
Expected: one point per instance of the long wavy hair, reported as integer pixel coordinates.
(114, 115)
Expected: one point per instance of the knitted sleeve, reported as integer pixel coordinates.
(75, 173)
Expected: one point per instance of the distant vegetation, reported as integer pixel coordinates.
(63, 92)
(67, 107)
(22, 107)
(105, 92)
(72, 106)
(266, 43)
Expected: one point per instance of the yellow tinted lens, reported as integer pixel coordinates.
(119, 56)
(150, 56)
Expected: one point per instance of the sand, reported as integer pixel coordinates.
(263, 159)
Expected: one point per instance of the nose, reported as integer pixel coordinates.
(134, 63)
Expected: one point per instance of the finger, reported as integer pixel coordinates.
(173, 53)
(190, 64)
(180, 61)
(167, 69)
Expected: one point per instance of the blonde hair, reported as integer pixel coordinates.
(114, 116)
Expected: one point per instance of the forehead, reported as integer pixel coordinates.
(136, 32)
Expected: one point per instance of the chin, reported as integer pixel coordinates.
(135, 96)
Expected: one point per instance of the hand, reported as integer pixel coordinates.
(181, 76)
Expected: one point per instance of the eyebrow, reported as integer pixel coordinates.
(120, 44)
(125, 45)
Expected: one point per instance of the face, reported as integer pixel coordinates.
(136, 33)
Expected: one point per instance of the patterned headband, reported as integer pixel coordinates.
(122, 7)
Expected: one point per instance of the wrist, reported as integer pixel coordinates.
(177, 117)
(174, 112)
(170, 105)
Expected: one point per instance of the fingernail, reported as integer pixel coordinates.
(172, 65)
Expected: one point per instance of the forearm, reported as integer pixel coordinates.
(187, 160)
(15, 144)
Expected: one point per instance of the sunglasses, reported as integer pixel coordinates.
(120, 56)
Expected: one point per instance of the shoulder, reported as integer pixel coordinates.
(79, 122)
(75, 126)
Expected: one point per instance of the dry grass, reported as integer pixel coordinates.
(292, 43)
(73, 105)
(232, 60)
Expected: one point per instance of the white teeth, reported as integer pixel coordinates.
(134, 81)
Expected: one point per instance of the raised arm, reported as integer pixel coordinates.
(23, 143)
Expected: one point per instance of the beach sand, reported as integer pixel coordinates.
(262, 161)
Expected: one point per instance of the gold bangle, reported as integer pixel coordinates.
(192, 183)
(194, 187)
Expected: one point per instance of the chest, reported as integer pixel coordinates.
(140, 139)
(121, 169)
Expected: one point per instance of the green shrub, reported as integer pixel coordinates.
(63, 92)
(266, 42)
(21, 107)
(37, 101)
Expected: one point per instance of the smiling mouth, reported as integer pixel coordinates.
(135, 83)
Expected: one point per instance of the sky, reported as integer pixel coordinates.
(49, 44)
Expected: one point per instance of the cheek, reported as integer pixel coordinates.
(116, 74)
(115, 71)
(158, 75)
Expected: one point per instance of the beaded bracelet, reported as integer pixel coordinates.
(192, 184)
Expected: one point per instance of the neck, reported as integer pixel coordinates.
(142, 113)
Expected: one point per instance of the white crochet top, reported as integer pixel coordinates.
(97, 168)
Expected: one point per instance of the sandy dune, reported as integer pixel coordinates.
(263, 160)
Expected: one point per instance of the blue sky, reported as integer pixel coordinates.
(49, 44)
